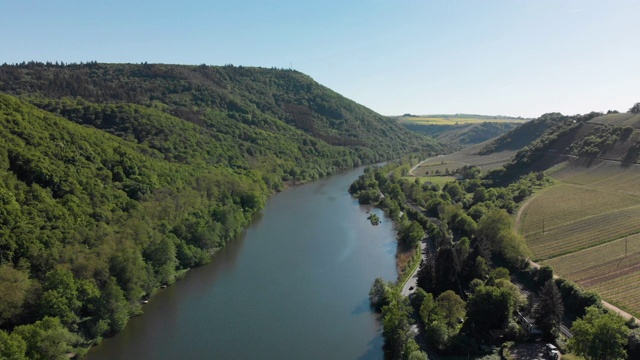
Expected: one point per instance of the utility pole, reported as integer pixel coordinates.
(626, 243)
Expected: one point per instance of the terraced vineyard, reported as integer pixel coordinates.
(587, 227)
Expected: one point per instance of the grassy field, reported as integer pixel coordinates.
(438, 180)
(580, 225)
(464, 157)
(455, 119)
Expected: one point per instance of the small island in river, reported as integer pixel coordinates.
(375, 220)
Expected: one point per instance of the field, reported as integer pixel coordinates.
(580, 226)
(438, 180)
(456, 119)
(464, 157)
(622, 119)
(611, 269)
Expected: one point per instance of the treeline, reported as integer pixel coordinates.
(116, 179)
(465, 298)
(460, 297)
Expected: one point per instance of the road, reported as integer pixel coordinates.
(420, 163)
(411, 284)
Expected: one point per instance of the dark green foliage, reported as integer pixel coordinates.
(496, 228)
(549, 311)
(490, 307)
(533, 139)
(114, 179)
(544, 274)
(12, 347)
(442, 317)
(380, 294)
(411, 233)
(599, 140)
(47, 339)
(396, 328)
(599, 335)
(524, 134)
(575, 299)
(635, 109)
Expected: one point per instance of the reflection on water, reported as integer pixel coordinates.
(295, 285)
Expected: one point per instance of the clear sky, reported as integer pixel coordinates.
(510, 57)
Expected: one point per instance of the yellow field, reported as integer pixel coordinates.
(580, 225)
(445, 120)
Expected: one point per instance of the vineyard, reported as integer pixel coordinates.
(587, 227)
(464, 157)
(612, 269)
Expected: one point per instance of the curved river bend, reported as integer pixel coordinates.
(295, 286)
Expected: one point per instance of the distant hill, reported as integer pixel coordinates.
(461, 130)
(117, 178)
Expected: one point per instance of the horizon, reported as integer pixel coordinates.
(500, 57)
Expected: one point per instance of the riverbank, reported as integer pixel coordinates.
(283, 279)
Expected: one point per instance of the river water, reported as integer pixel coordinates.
(295, 286)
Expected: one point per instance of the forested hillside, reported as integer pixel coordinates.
(115, 179)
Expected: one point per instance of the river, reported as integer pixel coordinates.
(294, 286)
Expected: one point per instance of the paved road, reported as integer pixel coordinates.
(411, 284)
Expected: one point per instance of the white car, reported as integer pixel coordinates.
(552, 352)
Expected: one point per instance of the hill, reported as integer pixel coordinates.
(459, 131)
(117, 178)
(585, 225)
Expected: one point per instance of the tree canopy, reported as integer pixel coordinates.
(599, 335)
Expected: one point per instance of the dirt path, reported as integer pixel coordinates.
(607, 305)
(519, 214)
(420, 163)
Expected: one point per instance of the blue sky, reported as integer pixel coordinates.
(511, 57)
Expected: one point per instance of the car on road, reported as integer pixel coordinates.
(552, 352)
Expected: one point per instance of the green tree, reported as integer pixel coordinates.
(411, 234)
(114, 306)
(635, 109)
(599, 335)
(490, 307)
(47, 339)
(379, 293)
(14, 286)
(418, 355)
(396, 327)
(60, 297)
(549, 311)
(12, 347)
(429, 309)
(452, 308)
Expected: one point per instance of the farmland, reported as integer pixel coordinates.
(464, 157)
(580, 227)
(457, 119)
(610, 269)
